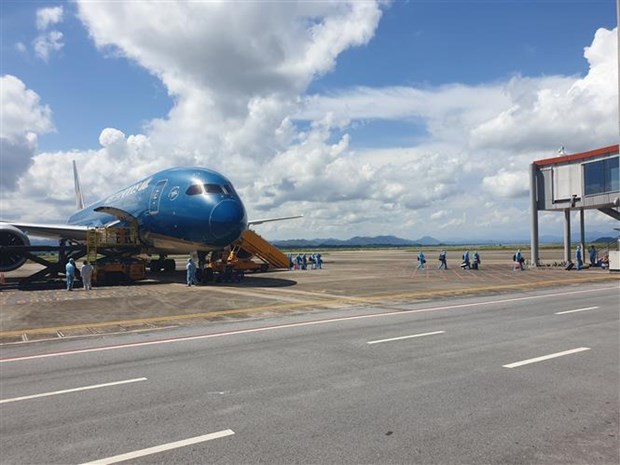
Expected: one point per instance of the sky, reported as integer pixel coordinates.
(406, 118)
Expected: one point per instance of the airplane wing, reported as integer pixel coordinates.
(63, 231)
(78, 232)
(268, 220)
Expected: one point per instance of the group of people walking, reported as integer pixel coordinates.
(468, 263)
(472, 262)
(302, 261)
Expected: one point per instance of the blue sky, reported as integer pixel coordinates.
(341, 112)
(86, 89)
(472, 42)
(488, 41)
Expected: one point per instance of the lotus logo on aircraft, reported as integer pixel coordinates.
(174, 193)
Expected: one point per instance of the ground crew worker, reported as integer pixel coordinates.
(579, 258)
(70, 273)
(191, 272)
(87, 274)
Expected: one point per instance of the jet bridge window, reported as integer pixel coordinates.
(601, 176)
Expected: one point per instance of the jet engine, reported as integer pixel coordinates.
(9, 236)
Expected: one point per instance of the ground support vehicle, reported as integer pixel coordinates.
(111, 271)
(110, 250)
(250, 253)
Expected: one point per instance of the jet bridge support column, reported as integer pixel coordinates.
(567, 235)
(582, 235)
(534, 206)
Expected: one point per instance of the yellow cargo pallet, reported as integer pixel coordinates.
(108, 237)
(92, 242)
(256, 245)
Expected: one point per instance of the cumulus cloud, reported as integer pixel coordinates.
(45, 44)
(235, 78)
(263, 49)
(575, 111)
(23, 119)
(507, 184)
(493, 131)
(524, 114)
(48, 40)
(238, 83)
(439, 214)
(47, 17)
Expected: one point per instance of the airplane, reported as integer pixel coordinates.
(175, 211)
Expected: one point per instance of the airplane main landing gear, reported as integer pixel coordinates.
(162, 264)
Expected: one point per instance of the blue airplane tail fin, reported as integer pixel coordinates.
(79, 197)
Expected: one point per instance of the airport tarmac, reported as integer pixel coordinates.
(374, 278)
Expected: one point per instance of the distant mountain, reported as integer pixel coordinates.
(357, 241)
(605, 240)
(393, 241)
(428, 240)
(594, 236)
(378, 240)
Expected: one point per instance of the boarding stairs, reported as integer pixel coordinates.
(255, 245)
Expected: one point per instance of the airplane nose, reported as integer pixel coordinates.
(227, 220)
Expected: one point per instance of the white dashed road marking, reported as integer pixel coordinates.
(162, 448)
(66, 391)
(576, 310)
(545, 357)
(405, 337)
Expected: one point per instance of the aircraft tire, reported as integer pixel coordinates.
(169, 264)
(156, 265)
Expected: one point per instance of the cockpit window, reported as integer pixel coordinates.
(197, 189)
(213, 189)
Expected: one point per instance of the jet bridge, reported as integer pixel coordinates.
(577, 182)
